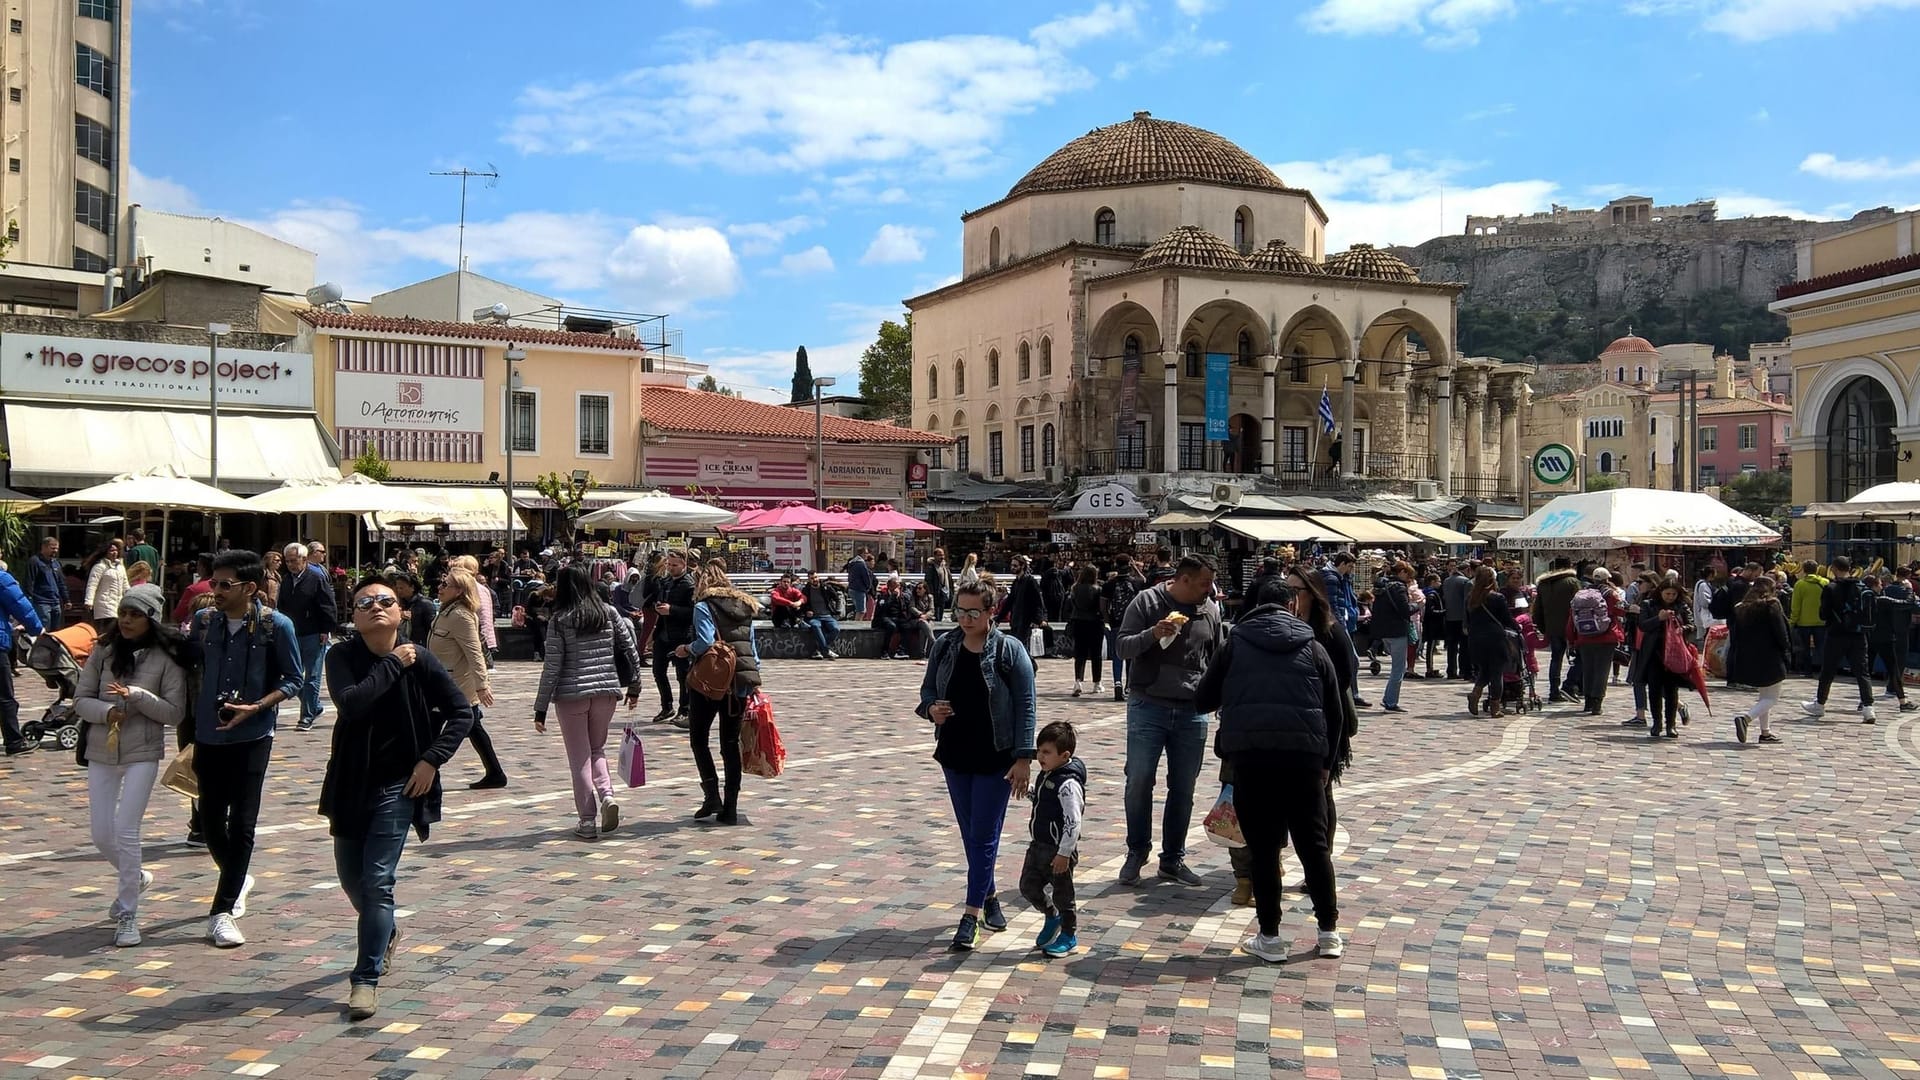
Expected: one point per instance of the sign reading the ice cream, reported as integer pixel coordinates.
(128, 371)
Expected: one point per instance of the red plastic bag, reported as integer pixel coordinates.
(1678, 655)
(1716, 655)
(761, 752)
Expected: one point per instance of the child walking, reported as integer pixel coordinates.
(1059, 797)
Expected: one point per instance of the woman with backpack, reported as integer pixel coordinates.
(1594, 630)
(1489, 618)
(1667, 611)
(1759, 648)
(581, 676)
(722, 639)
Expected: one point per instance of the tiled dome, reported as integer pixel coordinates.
(1144, 150)
(1280, 257)
(1367, 261)
(1631, 345)
(1191, 247)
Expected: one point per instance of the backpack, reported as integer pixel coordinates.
(1853, 614)
(1125, 588)
(712, 674)
(1589, 611)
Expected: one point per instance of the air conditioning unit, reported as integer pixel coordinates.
(1226, 494)
(1426, 489)
(940, 479)
(1056, 474)
(1151, 484)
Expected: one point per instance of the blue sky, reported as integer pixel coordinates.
(771, 174)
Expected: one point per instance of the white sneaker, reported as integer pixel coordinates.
(127, 934)
(1271, 949)
(609, 815)
(588, 829)
(1866, 714)
(240, 902)
(1077, 688)
(1096, 688)
(1331, 944)
(224, 932)
(1813, 708)
(146, 880)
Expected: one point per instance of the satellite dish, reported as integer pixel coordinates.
(497, 313)
(323, 294)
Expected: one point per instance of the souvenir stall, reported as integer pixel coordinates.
(1101, 521)
(1627, 525)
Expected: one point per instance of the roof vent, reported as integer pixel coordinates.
(1141, 114)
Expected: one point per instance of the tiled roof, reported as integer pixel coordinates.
(1855, 276)
(1191, 247)
(1631, 345)
(1280, 257)
(701, 412)
(1367, 261)
(1145, 150)
(521, 335)
(1743, 405)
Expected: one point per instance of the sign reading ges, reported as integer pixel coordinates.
(1554, 463)
(121, 371)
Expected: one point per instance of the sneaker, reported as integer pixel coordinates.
(1638, 721)
(1097, 690)
(224, 932)
(22, 748)
(146, 880)
(127, 934)
(1362, 703)
(1062, 945)
(1179, 872)
(305, 724)
(831, 655)
(681, 721)
(1813, 708)
(1740, 726)
(1049, 930)
(1866, 714)
(965, 938)
(588, 829)
(362, 1001)
(609, 815)
(1908, 706)
(1130, 870)
(665, 714)
(1242, 892)
(1557, 697)
(196, 838)
(240, 902)
(1331, 944)
(1768, 737)
(1271, 949)
(1391, 708)
(993, 916)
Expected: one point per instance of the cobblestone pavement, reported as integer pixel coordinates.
(1546, 895)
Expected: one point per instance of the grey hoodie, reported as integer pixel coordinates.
(1168, 676)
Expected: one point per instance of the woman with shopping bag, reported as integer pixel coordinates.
(722, 615)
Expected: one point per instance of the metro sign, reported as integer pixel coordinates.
(1554, 463)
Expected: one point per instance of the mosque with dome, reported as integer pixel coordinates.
(1096, 295)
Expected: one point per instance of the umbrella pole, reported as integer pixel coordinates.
(160, 572)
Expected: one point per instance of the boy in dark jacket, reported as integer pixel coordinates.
(1846, 609)
(1887, 640)
(1059, 800)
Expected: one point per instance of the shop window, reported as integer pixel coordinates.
(594, 432)
(93, 70)
(996, 454)
(1046, 446)
(1103, 227)
(1709, 476)
(1193, 446)
(1130, 447)
(1046, 357)
(1860, 446)
(1026, 449)
(1025, 362)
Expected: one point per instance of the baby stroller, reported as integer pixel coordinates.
(1517, 693)
(57, 656)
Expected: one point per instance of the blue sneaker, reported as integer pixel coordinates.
(1062, 945)
(1048, 931)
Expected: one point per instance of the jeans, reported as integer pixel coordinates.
(1113, 655)
(1849, 649)
(1809, 648)
(663, 654)
(117, 795)
(367, 866)
(1397, 673)
(980, 808)
(1560, 651)
(1048, 892)
(583, 727)
(1289, 802)
(16, 739)
(231, 776)
(313, 661)
(49, 612)
(728, 712)
(940, 603)
(1153, 727)
(825, 632)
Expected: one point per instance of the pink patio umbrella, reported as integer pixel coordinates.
(792, 516)
(747, 513)
(881, 518)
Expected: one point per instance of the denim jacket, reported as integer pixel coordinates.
(243, 662)
(1008, 671)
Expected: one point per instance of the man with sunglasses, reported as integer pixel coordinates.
(306, 599)
(250, 664)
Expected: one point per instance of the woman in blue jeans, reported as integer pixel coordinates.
(978, 691)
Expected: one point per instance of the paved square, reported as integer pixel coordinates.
(1547, 895)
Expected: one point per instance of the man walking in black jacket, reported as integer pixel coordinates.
(673, 601)
(306, 599)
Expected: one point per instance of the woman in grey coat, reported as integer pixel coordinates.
(132, 693)
(581, 679)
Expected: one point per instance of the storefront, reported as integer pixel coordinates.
(1102, 521)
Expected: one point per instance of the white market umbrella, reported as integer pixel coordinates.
(1628, 517)
(1896, 500)
(658, 511)
(352, 494)
(161, 487)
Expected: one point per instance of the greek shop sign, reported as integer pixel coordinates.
(97, 369)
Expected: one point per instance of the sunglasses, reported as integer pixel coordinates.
(368, 603)
(223, 584)
(969, 613)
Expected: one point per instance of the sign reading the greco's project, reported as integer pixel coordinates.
(136, 371)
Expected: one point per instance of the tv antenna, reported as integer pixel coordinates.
(491, 175)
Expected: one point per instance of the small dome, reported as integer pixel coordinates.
(1371, 263)
(1631, 345)
(1191, 247)
(1144, 150)
(1280, 257)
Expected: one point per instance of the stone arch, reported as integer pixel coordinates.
(1217, 325)
(1024, 408)
(959, 419)
(1858, 438)
(1396, 324)
(1107, 344)
(1815, 406)
(933, 381)
(1321, 335)
(933, 422)
(993, 412)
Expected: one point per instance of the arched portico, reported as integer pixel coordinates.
(1813, 412)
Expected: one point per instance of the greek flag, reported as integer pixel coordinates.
(1326, 411)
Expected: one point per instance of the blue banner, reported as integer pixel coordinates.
(1219, 381)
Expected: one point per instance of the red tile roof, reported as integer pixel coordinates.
(1855, 276)
(701, 412)
(393, 324)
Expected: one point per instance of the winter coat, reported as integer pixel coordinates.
(1275, 689)
(580, 665)
(306, 599)
(1553, 600)
(106, 584)
(1392, 612)
(1650, 655)
(727, 615)
(155, 703)
(455, 641)
(1758, 644)
(1805, 605)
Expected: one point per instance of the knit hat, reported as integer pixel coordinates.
(148, 600)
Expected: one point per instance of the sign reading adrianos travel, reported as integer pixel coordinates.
(1554, 463)
(136, 371)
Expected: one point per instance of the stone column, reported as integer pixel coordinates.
(1474, 391)
(1269, 419)
(1349, 378)
(1170, 422)
(1510, 453)
(1440, 434)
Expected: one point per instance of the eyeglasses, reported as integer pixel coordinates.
(969, 613)
(368, 603)
(223, 584)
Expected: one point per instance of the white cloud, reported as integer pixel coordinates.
(767, 374)
(1103, 20)
(765, 237)
(1762, 20)
(1439, 23)
(1182, 47)
(1739, 204)
(1374, 199)
(1505, 108)
(814, 260)
(896, 244)
(865, 316)
(1835, 168)
(1195, 8)
(666, 269)
(159, 193)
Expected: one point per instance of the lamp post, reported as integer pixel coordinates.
(819, 445)
(515, 354)
(215, 331)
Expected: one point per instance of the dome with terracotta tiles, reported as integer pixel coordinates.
(1144, 151)
(1371, 263)
(1191, 247)
(1631, 345)
(1280, 257)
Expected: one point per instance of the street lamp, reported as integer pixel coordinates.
(215, 331)
(819, 446)
(515, 354)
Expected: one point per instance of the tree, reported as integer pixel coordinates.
(371, 465)
(1758, 494)
(802, 376)
(886, 371)
(6, 240)
(1602, 481)
(567, 492)
(708, 384)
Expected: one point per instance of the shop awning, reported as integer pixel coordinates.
(1366, 530)
(1438, 534)
(1182, 519)
(1281, 530)
(70, 446)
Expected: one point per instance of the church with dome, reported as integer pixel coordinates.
(1148, 263)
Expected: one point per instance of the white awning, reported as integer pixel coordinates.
(1438, 534)
(73, 446)
(1281, 530)
(1366, 530)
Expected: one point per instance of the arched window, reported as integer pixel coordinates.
(1243, 230)
(959, 378)
(993, 247)
(1619, 373)
(1640, 374)
(993, 368)
(1103, 227)
(933, 382)
(1046, 446)
(1860, 448)
(1606, 461)
(1298, 365)
(1046, 357)
(1246, 349)
(1196, 367)
(1130, 353)
(1026, 362)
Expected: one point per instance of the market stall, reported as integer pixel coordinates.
(1641, 520)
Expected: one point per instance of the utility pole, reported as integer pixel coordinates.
(460, 256)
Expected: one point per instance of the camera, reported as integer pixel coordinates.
(228, 700)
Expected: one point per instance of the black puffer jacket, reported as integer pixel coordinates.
(1392, 611)
(1758, 644)
(1281, 695)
